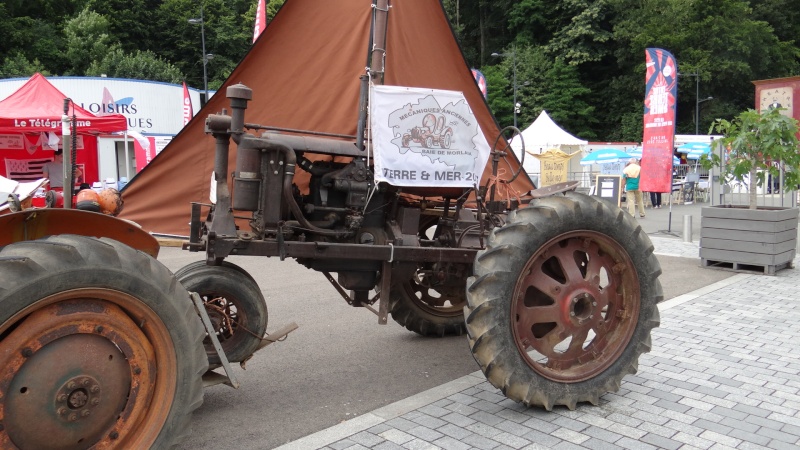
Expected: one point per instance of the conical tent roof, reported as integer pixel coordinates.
(304, 71)
(37, 107)
(541, 135)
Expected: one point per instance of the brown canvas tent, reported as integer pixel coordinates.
(304, 71)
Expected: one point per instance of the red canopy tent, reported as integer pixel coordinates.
(36, 108)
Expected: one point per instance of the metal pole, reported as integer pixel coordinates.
(127, 157)
(687, 228)
(697, 105)
(205, 59)
(66, 146)
(514, 61)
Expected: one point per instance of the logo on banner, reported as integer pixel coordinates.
(124, 106)
(425, 137)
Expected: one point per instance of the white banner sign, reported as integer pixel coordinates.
(426, 137)
(11, 142)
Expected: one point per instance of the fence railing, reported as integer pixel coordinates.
(707, 187)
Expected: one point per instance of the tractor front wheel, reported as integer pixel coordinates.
(234, 303)
(563, 301)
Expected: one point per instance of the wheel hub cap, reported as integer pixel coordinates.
(574, 306)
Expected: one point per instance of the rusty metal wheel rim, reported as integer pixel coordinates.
(438, 302)
(226, 316)
(575, 306)
(77, 402)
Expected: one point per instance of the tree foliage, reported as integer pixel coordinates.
(581, 60)
(87, 40)
(140, 65)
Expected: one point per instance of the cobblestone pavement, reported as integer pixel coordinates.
(723, 373)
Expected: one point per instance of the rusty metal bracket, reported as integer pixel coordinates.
(386, 284)
(201, 311)
(338, 288)
(555, 189)
(277, 335)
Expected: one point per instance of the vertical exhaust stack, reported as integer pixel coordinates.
(247, 178)
(376, 64)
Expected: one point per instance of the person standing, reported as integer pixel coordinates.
(631, 173)
(54, 171)
(655, 199)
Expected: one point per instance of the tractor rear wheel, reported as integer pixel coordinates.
(100, 347)
(427, 310)
(234, 303)
(563, 301)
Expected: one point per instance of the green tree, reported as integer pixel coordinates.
(782, 15)
(228, 36)
(130, 21)
(272, 8)
(586, 35)
(542, 84)
(18, 65)
(141, 65)
(35, 29)
(720, 40)
(566, 100)
(87, 39)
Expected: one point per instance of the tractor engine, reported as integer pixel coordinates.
(337, 194)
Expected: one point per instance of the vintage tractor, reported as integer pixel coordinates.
(557, 295)
(432, 132)
(102, 347)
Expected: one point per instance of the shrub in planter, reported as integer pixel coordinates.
(753, 238)
(754, 142)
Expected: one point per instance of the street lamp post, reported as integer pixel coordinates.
(697, 99)
(513, 55)
(697, 114)
(206, 57)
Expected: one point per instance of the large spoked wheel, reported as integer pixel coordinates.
(424, 308)
(234, 303)
(422, 303)
(99, 347)
(563, 301)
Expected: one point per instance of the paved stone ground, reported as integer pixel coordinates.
(723, 373)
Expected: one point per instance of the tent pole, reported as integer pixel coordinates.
(67, 155)
(669, 220)
(127, 169)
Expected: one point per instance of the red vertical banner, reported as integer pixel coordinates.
(261, 19)
(188, 112)
(481, 80)
(661, 93)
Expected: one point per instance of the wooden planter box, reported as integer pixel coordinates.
(737, 238)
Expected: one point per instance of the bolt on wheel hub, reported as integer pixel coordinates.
(581, 308)
(75, 399)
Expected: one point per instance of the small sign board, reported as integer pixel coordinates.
(688, 192)
(609, 188)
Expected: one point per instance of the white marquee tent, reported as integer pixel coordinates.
(542, 135)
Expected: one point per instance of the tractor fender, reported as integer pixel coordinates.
(37, 223)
